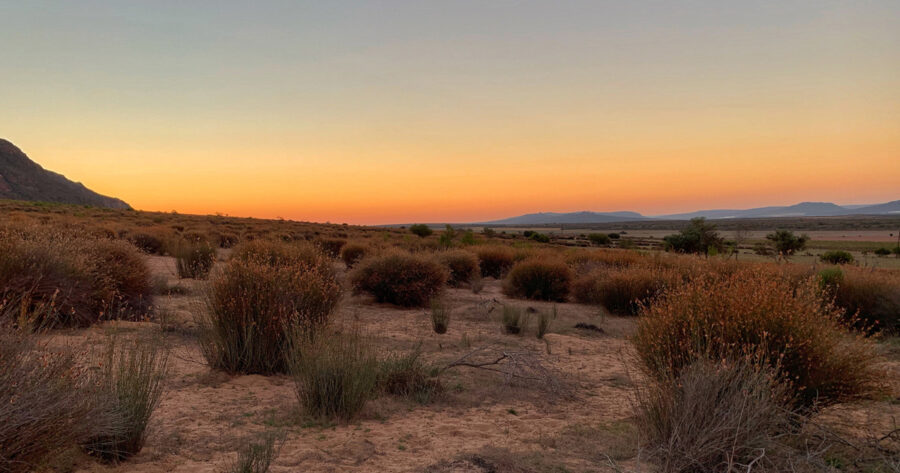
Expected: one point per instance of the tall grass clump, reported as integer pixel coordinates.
(264, 294)
(513, 319)
(544, 319)
(495, 260)
(622, 290)
(462, 266)
(334, 374)
(353, 253)
(715, 417)
(48, 403)
(756, 315)
(440, 315)
(131, 385)
(72, 281)
(257, 456)
(404, 279)
(871, 299)
(539, 279)
(194, 259)
(407, 375)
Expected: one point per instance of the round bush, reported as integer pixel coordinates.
(622, 290)
(837, 257)
(400, 278)
(495, 260)
(539, 279)
(352, 253)
(194, 259)
(462, 265)
(258, 302)
(757, 316)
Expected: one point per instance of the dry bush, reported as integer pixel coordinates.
(715, 417)
(757, 315)
(331, 246)
(462, 265)
(150, 241)
(495, 260)
(47, 402)
(334, 374)
(544, 319)
(584, 261)
(276, 253)
(440, 315)
(623, 290)
(400, 278)
(539, 279)
(131, 386)
(353, 253)
(257, 456)
(194, 259)
(259, 299)
(871, 299)
(72, 281)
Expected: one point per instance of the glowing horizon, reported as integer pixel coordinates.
(400, 112)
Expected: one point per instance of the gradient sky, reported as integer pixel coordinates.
(386, 111)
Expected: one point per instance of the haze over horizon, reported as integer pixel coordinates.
(393, 112)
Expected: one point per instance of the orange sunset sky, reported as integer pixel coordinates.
(393, 112)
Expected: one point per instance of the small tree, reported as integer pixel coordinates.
(699, 237)
(786, 243)
(421, 230)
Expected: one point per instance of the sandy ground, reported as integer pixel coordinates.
(206, 416)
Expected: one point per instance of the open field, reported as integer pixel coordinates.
(566, 402)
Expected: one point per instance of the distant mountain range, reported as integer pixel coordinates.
(23, 179)
(803, 209)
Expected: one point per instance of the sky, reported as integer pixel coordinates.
(410, 111)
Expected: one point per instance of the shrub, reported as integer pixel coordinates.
(70, 281)
(759, 316)
(698, 238)
(495, 260)
(539, 237)
(622, 290)
(334, 374)
(462, 266)
(149, 243)
(440, 316)
(837, 257)
(47, 402)
(713, 418)
(830, 278)
(275, 253)
(599, 239)
(258, 300)
(352, 253)
(539, 279)
(786, 243)
(331, 246)
(408, 376)
(421, 230)
(194, 259)
(514, 319)
(883, 251)
(400, 278)
(871, 299)
(131, 384)
(614, 236)
(586, 261)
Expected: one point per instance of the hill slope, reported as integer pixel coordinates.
(23, 179)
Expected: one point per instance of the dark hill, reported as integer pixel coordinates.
(23, 179)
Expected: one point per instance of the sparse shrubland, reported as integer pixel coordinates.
(539, 279)
(265, 293)
(404, 279)
(756, 316)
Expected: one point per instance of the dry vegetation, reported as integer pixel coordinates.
(319, 347)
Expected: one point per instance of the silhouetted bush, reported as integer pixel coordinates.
(698, 237)
(599, 239)
(421, 230)
(353, 253)
(786, 243)
(400, 278)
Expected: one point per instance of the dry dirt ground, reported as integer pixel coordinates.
(483, 422)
